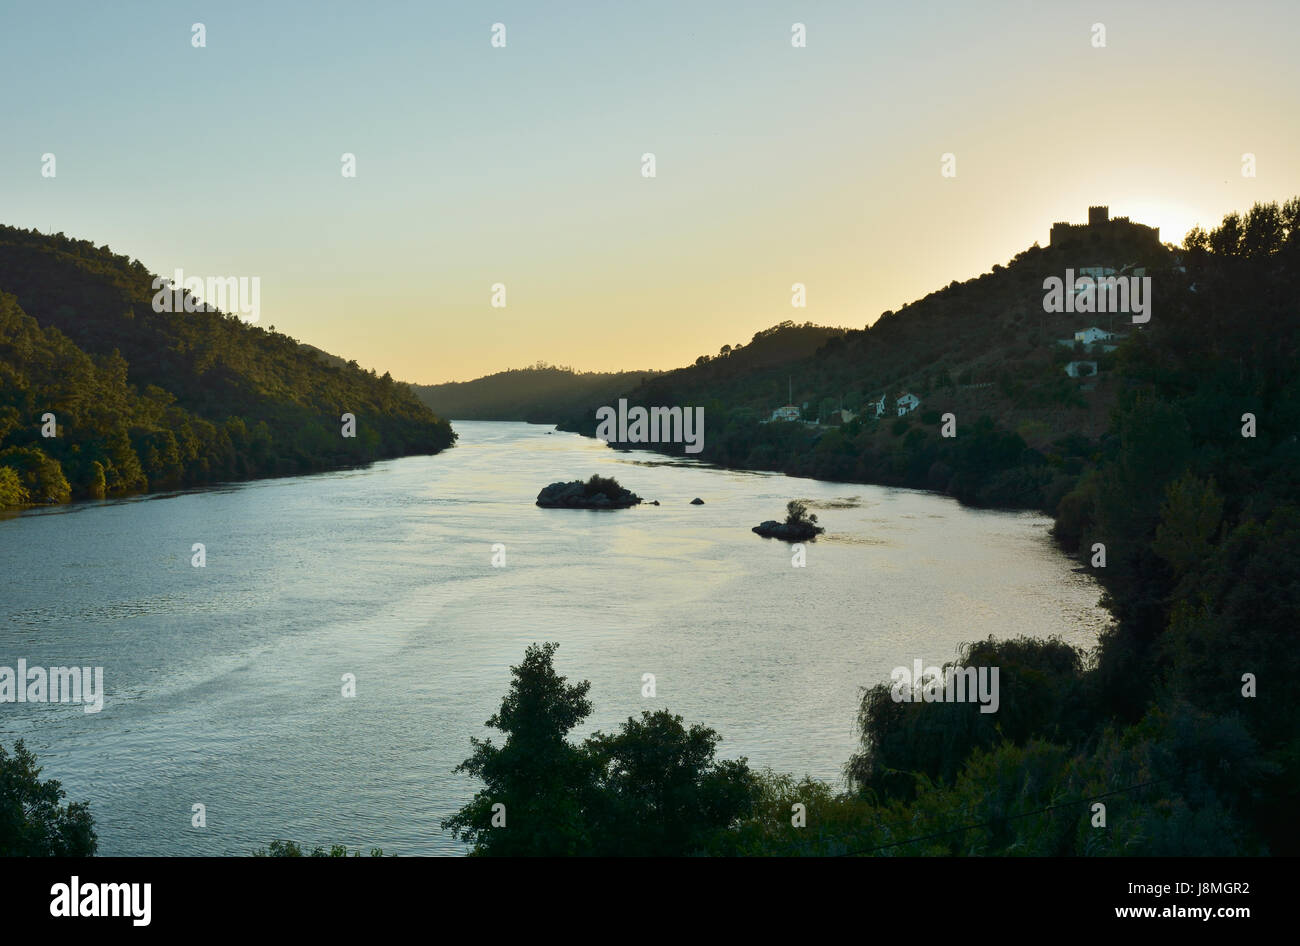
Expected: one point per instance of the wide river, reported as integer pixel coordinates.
(224, 683)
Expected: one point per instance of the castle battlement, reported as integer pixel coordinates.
(1100, 225)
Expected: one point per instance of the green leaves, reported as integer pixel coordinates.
(1189, 520)
(147, 395)
(33, 820)
(652, 788)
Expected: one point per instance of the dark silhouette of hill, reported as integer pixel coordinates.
(545, 394)
(1185, 508)
(1188, 515)
(537, 394)
(149, 400)
(983, 350)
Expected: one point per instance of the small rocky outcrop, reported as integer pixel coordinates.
(772, 529)
(697, 501)
(799, 526)
(597, 493)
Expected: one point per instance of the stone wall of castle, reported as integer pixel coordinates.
(1100, 224)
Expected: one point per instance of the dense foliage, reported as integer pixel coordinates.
(147, 400)
(1178, 735)
(34, 822)
(1183, 723)
(539, 393)
(282, 848)
(983, 351)
(652, 788)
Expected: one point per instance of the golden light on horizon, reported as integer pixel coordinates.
(1174, 219)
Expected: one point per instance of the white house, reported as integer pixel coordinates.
(839, 417)
(789, 412)
(1081, 369)
(1090, 335)
(879, 405)
(908, 402)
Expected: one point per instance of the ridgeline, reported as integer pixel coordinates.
(143, 400)
(536, 394)
(1176, 479)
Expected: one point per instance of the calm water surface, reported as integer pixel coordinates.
(223, 683)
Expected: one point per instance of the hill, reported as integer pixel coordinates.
(537, 394)
(984, 351)
(546, 394)
(1184, 506)
(146, 400)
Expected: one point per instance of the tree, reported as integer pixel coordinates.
(33, 822)
(1189, 519)
(650, 789)
(663, 795)
(281, 848)
(40, 475)
(797, 514)
(12, 490)
(536, 773)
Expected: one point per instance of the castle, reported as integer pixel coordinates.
(1100, 226)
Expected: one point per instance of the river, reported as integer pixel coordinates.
(224, 683)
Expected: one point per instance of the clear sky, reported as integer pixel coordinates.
(522, 165)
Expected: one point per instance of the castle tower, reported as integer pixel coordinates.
(1098, 216)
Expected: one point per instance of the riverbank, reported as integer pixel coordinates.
(387, 572)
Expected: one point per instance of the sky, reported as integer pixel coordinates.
(522, 165)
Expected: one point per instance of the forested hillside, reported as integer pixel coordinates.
(983, 350)
(144, 400)
(1187, 712)
(546, 394)
(1179, 735)
(537, 394)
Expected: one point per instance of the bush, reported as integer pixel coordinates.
(290, 849)
(12, 490)
(33, 822)
(906, 743)
(651, 789)
(602, 484)
(41, 476)
(797, 514)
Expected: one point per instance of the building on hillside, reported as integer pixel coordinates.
(839, 417)
(1081, 369)
(1089, 336)
(1093, 272)
(1100, 225)
(905, 403)
(789, 411)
